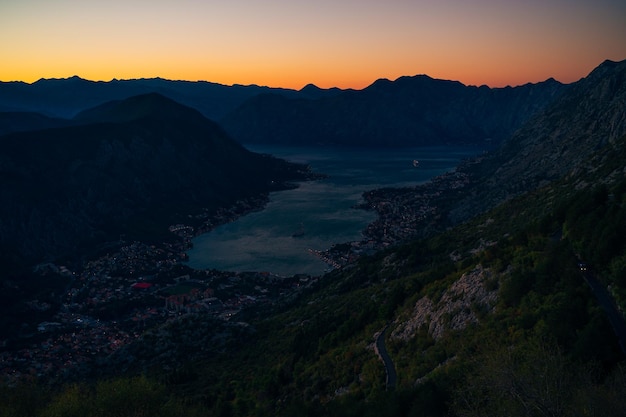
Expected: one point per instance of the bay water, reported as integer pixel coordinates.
(318, 213)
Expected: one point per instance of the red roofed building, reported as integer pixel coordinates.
(141, 285)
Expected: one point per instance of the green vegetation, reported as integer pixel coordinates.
(545, 347)
(132, 396)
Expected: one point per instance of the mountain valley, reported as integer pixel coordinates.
(484, 305)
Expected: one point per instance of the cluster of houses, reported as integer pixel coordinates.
(120, 295)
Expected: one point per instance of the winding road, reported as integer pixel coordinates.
(601, 293)
(382, 353)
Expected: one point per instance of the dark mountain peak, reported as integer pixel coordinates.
(75, 79)
(152, 99)
(416, 88)
(311, 91)
(549, 81)
(607, 69)
(143, 106)
(610, 63)
(381, 82)
(310, 88)
(421, 77)
(414, 82)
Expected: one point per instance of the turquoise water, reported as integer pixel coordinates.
(317, 214)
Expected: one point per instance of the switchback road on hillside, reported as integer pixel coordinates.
(382, 353)
(606, 302)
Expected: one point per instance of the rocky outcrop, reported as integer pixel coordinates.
(459, 306)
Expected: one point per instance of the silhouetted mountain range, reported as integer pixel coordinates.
(132, 166)
(410, 111)
(64, 98)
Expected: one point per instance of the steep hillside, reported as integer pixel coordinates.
(138, 164)
(588, 117)
(409, 111)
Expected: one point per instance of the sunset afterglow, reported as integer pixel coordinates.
(344, 43)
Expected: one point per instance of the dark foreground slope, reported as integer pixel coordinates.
(132, 167)
(410, 111)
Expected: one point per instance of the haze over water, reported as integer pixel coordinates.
(319, 213)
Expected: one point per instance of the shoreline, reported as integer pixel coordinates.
(402, 214)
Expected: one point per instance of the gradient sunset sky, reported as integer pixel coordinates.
(289, 43)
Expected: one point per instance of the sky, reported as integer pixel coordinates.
(290, 43)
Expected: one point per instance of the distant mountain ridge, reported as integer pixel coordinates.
(410, 111)
(64, 98)
(137, 165)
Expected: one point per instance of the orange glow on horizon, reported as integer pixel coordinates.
(347, 44)
(340, 79)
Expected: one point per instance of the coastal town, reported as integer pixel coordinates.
(113, 301)
(121, 295)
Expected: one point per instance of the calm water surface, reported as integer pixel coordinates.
(319, 213)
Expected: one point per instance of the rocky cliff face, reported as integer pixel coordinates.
(460, 305)
(410, 111)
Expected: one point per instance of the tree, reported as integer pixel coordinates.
(533, 379)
